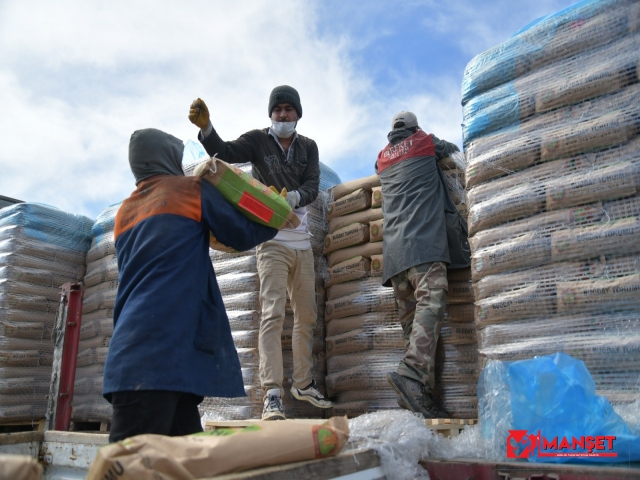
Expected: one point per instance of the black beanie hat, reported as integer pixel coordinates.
(285, 94)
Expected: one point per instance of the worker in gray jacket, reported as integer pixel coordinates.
(423, 234)
(287, 161)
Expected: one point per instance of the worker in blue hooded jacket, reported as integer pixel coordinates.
(171, 343)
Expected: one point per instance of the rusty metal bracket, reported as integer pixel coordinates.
(65, 337)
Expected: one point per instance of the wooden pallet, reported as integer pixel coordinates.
(95, 426)
(29, 426)
(449, 427)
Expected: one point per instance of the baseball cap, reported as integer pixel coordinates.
(404, 120)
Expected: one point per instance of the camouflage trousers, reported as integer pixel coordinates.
(421, 293)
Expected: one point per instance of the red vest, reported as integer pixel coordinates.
(419, 144)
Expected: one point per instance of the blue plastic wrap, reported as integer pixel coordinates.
(105, 222)
(530, 406)
(328, 178)
(50, 225)
(591, 73)
(550, 39)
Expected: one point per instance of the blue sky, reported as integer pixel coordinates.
(77, 78)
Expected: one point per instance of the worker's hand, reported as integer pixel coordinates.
(199, 114)
(282, 193)
(292, 199)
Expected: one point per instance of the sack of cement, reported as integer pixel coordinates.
(527, 302)
(602, 132)
(458, 334)
(366, 322)
(364, 250)
(377, 265)
(360, 303)
(372, 338)
(353, 202)
(220, 451)
(351, 269)
(376, 197)
(606, 238)
(256, 201)
(365, 216)
(544, 222)
(608, 183)
(516, 155)
(518, 202)
(611, 294)
(375, 230)
(460, 293)
(366, 183)
(528, 250)
(20, 467)
(349, 236)
(347, 288)
(459, 313)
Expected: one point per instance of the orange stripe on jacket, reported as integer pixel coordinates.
(159, 195)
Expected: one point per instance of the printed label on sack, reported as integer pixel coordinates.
(325, 440)
(252, 205)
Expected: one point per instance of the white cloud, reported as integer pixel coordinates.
(79, 77)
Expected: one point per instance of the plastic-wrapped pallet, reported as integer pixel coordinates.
(101, 286)
(553, 178)
(364, 338)
(41, 248)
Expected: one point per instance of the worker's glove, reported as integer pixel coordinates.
(293, 198)
(282, 193)
(199, 114)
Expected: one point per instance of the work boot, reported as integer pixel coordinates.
(429, 410)
(410, 391)
(311, 395)
(272, 409)
(431, 406)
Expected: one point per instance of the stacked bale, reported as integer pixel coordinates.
(364, 338)
(553, 177)
(41, 248)
(101, 287)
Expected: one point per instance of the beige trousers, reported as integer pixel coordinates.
(284, 270)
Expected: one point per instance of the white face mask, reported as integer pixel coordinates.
(283, 129)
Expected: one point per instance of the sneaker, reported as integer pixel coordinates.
(311, 395)
(411, 393)
(272, 409)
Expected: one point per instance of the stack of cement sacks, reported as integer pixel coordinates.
(237, 276)
(101, 286)
(457, 353)
(41, 248)
(364, 338)
(553, 178)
